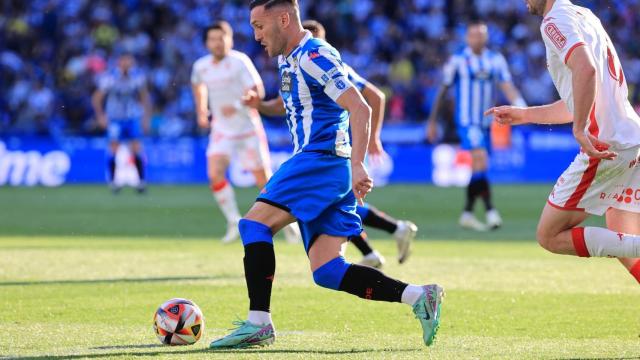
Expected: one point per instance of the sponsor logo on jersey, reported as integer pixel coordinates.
(626, 196)
(285, 85)
(555, 35)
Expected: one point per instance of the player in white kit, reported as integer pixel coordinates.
(219, 80)
(604, 179)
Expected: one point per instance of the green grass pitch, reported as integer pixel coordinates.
(82, 272)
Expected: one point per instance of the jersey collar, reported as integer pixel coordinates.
(470, 52)
(296, 50)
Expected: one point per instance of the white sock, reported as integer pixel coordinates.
(292, 233)
(227, 201)
(259, 317)
(411, 294)
(603, 242)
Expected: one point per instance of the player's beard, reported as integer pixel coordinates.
(536, 7)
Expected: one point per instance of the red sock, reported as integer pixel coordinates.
(635, 271)
(218, 186)
(577, 235)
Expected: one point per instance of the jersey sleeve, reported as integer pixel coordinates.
(105, 82)
(249, 76)
(449, 71)
(502, 69)
(324, 66)
(141, 81)
(561, 35)
(196, 77)
(355, 78)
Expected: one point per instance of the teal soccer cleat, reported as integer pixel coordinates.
(246, 335)
(427, 310)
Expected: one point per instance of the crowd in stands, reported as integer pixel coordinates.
(53, 51)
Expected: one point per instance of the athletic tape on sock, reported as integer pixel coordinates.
(253, 232)
(577, 235)
(330, 275)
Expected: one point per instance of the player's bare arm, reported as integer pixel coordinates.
(584, 73)
(147, 109)
(512, 94)
(376, 100)
(556, 113)
(200, 96)
(97, 99)
(432, 129)
(272, 107)
(360, 123)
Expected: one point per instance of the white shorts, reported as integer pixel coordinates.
(594, 186)
(250, 149)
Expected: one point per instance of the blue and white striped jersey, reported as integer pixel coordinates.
(475, 78)
(123, 94)
(312, 78)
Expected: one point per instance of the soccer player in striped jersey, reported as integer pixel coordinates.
(474, 72)
(604, 178)
(219, 80)
(127, 103)
(403, 231)
(319, 185)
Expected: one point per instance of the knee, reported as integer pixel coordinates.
(330, 275)
(546, 240)
(216, 178)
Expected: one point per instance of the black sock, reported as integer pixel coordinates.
(369, 283)
(379, 220)
(484, 191)
(139, 166)
(111, 165)
(472, 193)
(360, 241)
(259, 268)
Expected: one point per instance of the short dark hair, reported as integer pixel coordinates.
(314, 26)
(221, 25)
(268, 4)
(477, 22)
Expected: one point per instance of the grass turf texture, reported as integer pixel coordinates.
(82, 271)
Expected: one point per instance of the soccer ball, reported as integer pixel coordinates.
(178, 322)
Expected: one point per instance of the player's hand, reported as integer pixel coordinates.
(376, 151)
(361, 182)
(508, 115)
(102, 121)
(594, 148)
(228, 111)
(251, 99)
(432, 131)
(203, 120)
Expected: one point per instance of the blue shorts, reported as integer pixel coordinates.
(315, 188)
(124, 129)
(474, 137)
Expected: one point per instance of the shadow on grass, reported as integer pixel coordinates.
(121, 280)
(202, 351)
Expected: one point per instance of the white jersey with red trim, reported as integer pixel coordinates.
(565, 28)
(227, 81)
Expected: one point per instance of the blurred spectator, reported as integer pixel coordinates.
(52, 51)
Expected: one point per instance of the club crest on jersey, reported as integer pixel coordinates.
(340, 84)
(314, 55)
(285, 84)
(555, 35)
